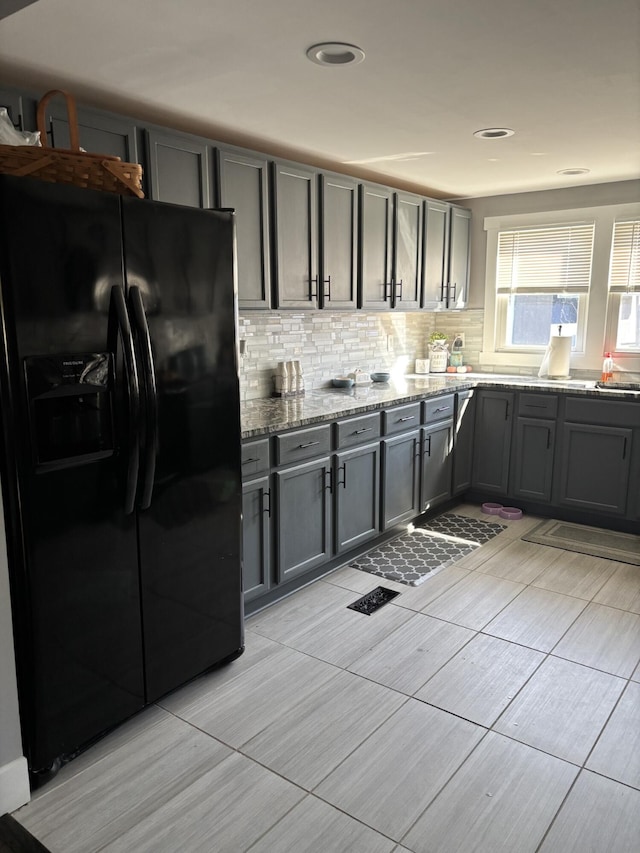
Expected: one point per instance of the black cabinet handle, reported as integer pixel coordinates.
(506, 411)
(427, 450)
(313, 281)
(364, 429)
(624, 448)
(329, 474)
(327, 295)
(343, 482)
(250, 459)
(451, 298)
(399, 285)
(388, 291)
(548, 438)
(266, 508)
(308, 444)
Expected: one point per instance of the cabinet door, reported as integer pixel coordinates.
(303, 518)
(400, 478)
(408, 245)
(179, 169)
(532, 462)
(494, 417)
(436, 255)
(13, 103)
(256, 540)
(338, 240)
(243, 185)
(463, 442)
(594, 472)
(458, 278)
(436, 468)
(296, 199)
(99, 133)
(357, 492)
(376, 242)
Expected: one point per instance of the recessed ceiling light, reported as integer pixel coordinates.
(571, 172)
(335, 53)
(494, 133)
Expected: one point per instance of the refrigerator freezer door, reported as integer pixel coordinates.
(182, 262)
(72, 549)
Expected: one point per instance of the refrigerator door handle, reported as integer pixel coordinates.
(151, 394)
(119, 322)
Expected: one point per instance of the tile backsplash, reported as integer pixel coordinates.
(330, 343)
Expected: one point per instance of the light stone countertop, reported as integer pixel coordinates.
(266, 416)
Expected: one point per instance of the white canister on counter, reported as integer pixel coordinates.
(422, 365)
(438, 359)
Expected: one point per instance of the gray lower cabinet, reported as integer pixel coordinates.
(243, 184)
(400, 478)
(256, 537)
(532, 462)
(179, 169)
(437, 463)
(303, 518)
(463, 441)
(357, 490)
(492, 441)
(594, 469)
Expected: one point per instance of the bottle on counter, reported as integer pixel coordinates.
(282, 378)
(298, 383)
(607, 367)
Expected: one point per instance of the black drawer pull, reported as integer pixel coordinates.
(251, 459)
(308, 444)
(364, 429)
(407, 418)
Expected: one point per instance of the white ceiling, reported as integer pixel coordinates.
(564, 74)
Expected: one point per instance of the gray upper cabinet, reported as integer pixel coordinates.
(446, 264)
(295, 191)
(243, 185)
(179, 169)
(408, 251)
(99, 133)
(338, 241)
(376, 246)
(458, 278)
(13, 101)
(436, 253)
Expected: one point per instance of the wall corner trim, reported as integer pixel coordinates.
(14, 785)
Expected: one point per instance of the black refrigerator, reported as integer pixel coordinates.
(120, 454)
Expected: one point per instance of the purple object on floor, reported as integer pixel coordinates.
(492, 509)
(510, 512)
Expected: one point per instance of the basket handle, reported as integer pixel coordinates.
(72, 114)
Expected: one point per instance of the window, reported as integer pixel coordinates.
(542, 280)
(624, 287)
(579, 269)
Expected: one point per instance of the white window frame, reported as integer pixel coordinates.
(599, 328)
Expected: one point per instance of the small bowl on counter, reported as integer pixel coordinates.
(342, 382)
(380, 376)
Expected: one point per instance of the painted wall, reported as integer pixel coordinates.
(620, 192)
(14, 784)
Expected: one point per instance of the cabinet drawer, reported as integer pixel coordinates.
(606, 412)
(538, 405)
(401, 418)
(302, 444)
(255, 457)
(357, 430)
(438, 409)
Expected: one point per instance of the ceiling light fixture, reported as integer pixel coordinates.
(335, 53)
(571, 172)
(494, 133)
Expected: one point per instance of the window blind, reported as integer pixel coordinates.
(624, 274)
(554, 258)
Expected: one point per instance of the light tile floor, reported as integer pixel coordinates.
(496, 707)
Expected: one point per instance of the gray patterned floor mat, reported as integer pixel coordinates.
(424, 550)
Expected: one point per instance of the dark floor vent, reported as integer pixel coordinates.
(373, 600)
